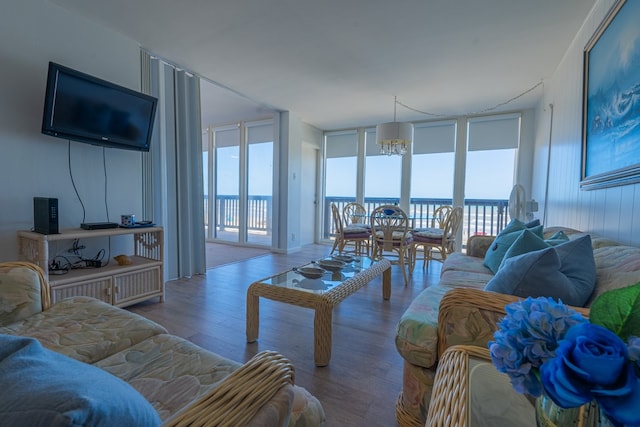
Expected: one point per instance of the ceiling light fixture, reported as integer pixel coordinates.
(394, 137)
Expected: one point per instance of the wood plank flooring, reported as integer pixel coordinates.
(364, 377)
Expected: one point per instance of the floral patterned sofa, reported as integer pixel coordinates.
(459, 311)
(184, 384)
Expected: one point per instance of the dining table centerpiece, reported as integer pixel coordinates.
(574, 366)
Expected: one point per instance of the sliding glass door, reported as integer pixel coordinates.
(227, 183)
(240, 172)
(259, 183)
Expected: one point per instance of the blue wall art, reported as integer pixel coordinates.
(611, 110)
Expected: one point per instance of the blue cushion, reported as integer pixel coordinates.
(534, 223)
(503, 242)
(557, 238)
(527, 241)
(579, 265)
(566, 272)
(44, 388)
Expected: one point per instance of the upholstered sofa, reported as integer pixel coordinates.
(178, 382)
(458, 310)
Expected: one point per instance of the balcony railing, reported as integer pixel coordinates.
(481, 216)
(259, 213)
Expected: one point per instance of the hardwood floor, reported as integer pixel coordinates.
(362, 382)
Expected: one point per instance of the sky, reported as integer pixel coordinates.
(432, 174)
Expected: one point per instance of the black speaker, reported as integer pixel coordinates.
(45, 215)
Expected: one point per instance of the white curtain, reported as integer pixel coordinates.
(172, 170)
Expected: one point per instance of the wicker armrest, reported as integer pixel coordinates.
(468, 390)
(448, 405)
(477, 246)
(470, 317)
(241, 395)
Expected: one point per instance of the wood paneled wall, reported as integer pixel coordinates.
(612, 212)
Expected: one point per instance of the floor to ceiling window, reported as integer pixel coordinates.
(492, 148)
(429, 176)
(432, 163)
(341, 172)
(383, 174)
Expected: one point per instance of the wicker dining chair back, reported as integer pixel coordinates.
(451, 225)
(392, 236)
(439, 239)
(354, 213)
(358, 237)
(439, 215)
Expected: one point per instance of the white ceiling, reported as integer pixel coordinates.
(339, 63)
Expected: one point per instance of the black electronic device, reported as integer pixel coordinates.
(139, 224)
(87, 109)
(45, 215)
(98, 225)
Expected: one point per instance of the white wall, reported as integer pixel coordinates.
(293, 133)
(611, 212)
(34, 32)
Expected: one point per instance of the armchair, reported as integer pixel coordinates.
(458, 311)
(466, 317)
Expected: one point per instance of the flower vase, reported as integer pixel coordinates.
(548, 414)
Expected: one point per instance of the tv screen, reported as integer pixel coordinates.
(84, 108)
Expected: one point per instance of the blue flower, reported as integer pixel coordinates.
(528, 336)
(546, 347)
(592, 363)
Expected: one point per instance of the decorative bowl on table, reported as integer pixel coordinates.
(311, 284)
(331, 264)
(343, 257)
(310, 272)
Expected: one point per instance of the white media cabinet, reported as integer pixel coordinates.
(119, 285)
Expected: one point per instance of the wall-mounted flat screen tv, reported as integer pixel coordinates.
(84, 108)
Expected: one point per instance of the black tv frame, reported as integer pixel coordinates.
(105, 139)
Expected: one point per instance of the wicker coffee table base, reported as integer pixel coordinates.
(322, 304)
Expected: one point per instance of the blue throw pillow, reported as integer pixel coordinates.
(527, 241)
(503, 242)
(43, 388)
(557, 238)
(566, 272)
(578, 264)
(534, 223)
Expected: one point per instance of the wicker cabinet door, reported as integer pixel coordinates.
(96, 288)
(135, 286)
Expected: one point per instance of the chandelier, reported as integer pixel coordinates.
(394, 137)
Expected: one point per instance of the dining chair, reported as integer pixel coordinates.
(358, 237)
(440, 238)
(354, 215)
(436, 220)
(439, 215)
(391, 237)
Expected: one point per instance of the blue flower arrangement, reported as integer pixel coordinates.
(545, 346)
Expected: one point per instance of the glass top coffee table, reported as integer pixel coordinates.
(320, 294)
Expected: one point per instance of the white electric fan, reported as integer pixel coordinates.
(517, 203)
